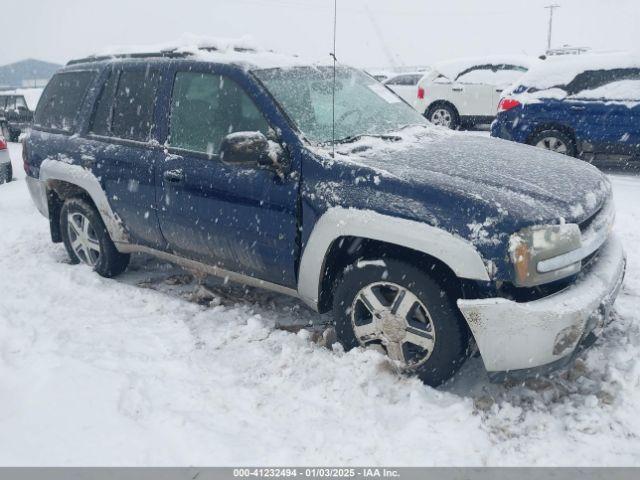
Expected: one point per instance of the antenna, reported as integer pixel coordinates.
(333, 88)
(551, 8)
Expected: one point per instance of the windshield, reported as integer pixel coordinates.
(363, 105)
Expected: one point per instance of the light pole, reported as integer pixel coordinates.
(551, 8)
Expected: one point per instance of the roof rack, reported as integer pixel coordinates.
(167, 53)
(161, 54)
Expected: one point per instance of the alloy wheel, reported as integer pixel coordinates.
(83, 238)
(390, 315)
(442, 117)
(554, 144)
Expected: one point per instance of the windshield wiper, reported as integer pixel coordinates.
(355, 138)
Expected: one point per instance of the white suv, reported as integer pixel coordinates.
(467, 91)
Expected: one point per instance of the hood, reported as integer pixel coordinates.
(528, 184)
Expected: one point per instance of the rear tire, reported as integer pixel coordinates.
(555, 141)
(443, 115)
(405, 313)
(86, 239)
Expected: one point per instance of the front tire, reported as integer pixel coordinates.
(554, 140)
(87, 240)
(405, 312)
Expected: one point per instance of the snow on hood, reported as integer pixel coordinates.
(528, 183)
(242, 51)
(31, 95)
(452, 68)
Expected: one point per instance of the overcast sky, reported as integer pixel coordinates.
(370, 32)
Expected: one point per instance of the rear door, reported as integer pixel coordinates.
(473, 92)
(240, 218)
(609, 110)
(122, 150)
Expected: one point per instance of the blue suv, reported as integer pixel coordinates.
(424, 243)
(587, 107)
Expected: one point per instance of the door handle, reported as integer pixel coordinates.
(174, 176)
(577, 107)
(457, 89)
(499, 90)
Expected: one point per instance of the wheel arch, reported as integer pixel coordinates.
(342, 236)
(64, 180)
(344, 251)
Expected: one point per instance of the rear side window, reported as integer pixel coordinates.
(62, 99)
(134, 103)
(593, 79)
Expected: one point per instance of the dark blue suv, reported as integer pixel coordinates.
(588, 107)
(423, 242)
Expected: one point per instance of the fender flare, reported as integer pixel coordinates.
(457, 253)
(83, 178)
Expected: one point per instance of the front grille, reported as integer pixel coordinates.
(585, 224)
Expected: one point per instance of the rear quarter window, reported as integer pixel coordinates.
(62, 99)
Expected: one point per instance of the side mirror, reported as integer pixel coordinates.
(252, 148)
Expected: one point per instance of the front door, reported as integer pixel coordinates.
(240, 218)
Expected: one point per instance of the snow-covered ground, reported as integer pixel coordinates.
(153, 369)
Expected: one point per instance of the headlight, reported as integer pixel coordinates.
(530, 247)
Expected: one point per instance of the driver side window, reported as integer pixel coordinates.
(207, 107)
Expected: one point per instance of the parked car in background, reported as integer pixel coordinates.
(405, 85)
(466, 92)
(16, 111)
(380, 75)
(586, 106)
(6, 171)
(222, 160)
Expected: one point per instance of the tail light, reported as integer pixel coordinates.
(421, 93)
(3, 144)
(507, 104)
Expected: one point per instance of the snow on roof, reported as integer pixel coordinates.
(31, 95)
(241, 51)
(452, 68)
(561, 70)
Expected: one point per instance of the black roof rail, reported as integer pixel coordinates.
(169, 53)
(162, 54)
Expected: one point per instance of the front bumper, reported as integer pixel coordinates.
(524, 339)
